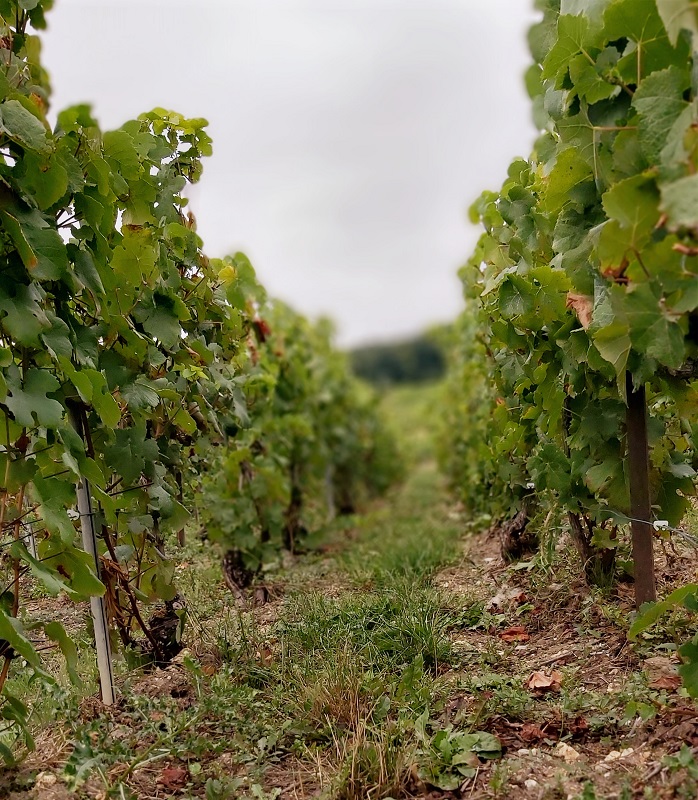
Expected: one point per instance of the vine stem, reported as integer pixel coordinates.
(640, 504)
(15, 562)
(4, 673)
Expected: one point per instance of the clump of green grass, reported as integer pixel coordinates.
(383, 630)
(413, 539)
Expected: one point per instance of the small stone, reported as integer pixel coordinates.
(523, 751)
(614, 755)
(531, 785)
(568, 754)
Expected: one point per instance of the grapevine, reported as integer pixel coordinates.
(584, 282)
(126, 357)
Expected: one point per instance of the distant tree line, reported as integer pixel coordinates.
(412, 361)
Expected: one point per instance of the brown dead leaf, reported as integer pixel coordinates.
(173, 777)
(265, 655)
(531, 733)
(578, 727)
(515, 634)
(583, 306)
(669, 682)
(662, 673)
(541, 681)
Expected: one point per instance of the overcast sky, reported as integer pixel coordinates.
(350, 136)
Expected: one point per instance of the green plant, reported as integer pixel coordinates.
(450, 757)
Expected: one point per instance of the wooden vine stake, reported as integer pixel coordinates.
(97, 604)
(641, 527)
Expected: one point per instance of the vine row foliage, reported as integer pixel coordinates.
(588, 272)
(132, 362)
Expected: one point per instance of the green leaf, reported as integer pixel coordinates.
(587, 78)
(28, 400)
(486, 745)
(130, 453)
(12, 631)
(600, 476)
(649, 615)
(572, 38)
(515, 297)
(634, 204)
(24, 320)
(135, 258)
(570, 171)
(613, 343)
(680, 202)
(639, 21)
(45, 179)
(86, 270)
(40, 246)
(80, 566)
(140, 394)
(659, 103)
(120, 150)
(689, 670)
(652, 329)
(678, 15)
(22, 126)
(57, 338)
(602, 539)
(51, 580)
(7, 755)
(14, 229)
(55, 631)
(164, 326)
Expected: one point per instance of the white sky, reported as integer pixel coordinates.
(349, 136)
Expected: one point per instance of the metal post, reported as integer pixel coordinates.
(640, 506)
(97, 604)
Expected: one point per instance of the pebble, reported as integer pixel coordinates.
(530, 784)
(568, 754)
(614, 755)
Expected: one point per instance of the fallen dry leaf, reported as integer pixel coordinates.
(578, 727)
(543, 682)
(173, 777)
(669, 682)
(583, 305)
(531, 732)
(515, 634)
(662, 673)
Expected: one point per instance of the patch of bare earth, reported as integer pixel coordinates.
(564, 637)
